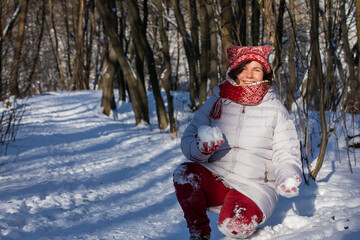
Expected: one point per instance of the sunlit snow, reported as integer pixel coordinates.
(73, 173)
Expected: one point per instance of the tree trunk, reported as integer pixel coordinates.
(14, 86)
(166, 76)
(139, 32)
(78, 77)
(194, 34)
(226, 35)
(330, 81)
(188, 50)
(121, 84)
(140, 111)
(213, 71)
(120, 73)
(357, 4)
(316, 74)
(349, 59)
(68, 47)
(139, 61)
(27, 89)
(90, 24)
(292, 69)
(56, 47)
(240, 16)
(108, 99)
(176, 81)
(279, 37)
(2, 92)
(255, 23)
(204, 56)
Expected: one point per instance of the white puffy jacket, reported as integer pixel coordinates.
(261, 147)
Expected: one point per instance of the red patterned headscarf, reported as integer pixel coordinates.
(237, 55)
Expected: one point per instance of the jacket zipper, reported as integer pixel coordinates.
(237, 133)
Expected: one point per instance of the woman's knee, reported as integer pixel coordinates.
(186, 172)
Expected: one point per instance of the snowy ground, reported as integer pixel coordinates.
(75, 174)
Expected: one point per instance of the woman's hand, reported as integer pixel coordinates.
(210, 147)
(289, 188)
(209, 139)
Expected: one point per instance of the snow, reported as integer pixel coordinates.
(289, 188)
(208, 134)
(73, 173)
(291, 183)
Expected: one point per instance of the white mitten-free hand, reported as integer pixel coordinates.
(209, 139)
(289, 188)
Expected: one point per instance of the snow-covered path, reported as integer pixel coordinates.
(75, 174)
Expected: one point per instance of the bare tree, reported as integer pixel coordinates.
(239, 31)
(78, 77)
(194, 34)
(279, 36)
(37, 47)
(188, 51)
(226, 33)
(267, 13)
(67, 40)
(167, 72)
(124, 45)
(1, 50)
(89, 35)
(204, 55)
(349, 59)
(357, 4)
(140, 111)
(108, 99)
(291, 86)
(14, 85)
(55, 47)
(316, 74)
(139, 32)
(255, 23)
(330, 79)
(213, 70)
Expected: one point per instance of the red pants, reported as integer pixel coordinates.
(197, 189)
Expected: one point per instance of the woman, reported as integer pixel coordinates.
(243, 148)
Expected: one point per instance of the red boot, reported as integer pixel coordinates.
(239, 216)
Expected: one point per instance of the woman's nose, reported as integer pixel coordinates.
(249, 74)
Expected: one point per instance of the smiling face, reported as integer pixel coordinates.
(251, 73)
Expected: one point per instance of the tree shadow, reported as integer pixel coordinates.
(302, 205)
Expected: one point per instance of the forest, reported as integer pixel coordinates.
(136, 46)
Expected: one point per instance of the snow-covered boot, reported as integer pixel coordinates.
(206, 237)
(239, 216)
(236, 229)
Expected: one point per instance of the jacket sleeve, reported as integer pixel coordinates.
(188, 141)
(286, 148)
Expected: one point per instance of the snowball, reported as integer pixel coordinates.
(208, 134)
(291, 183)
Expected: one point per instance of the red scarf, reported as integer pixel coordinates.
(246, 95)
